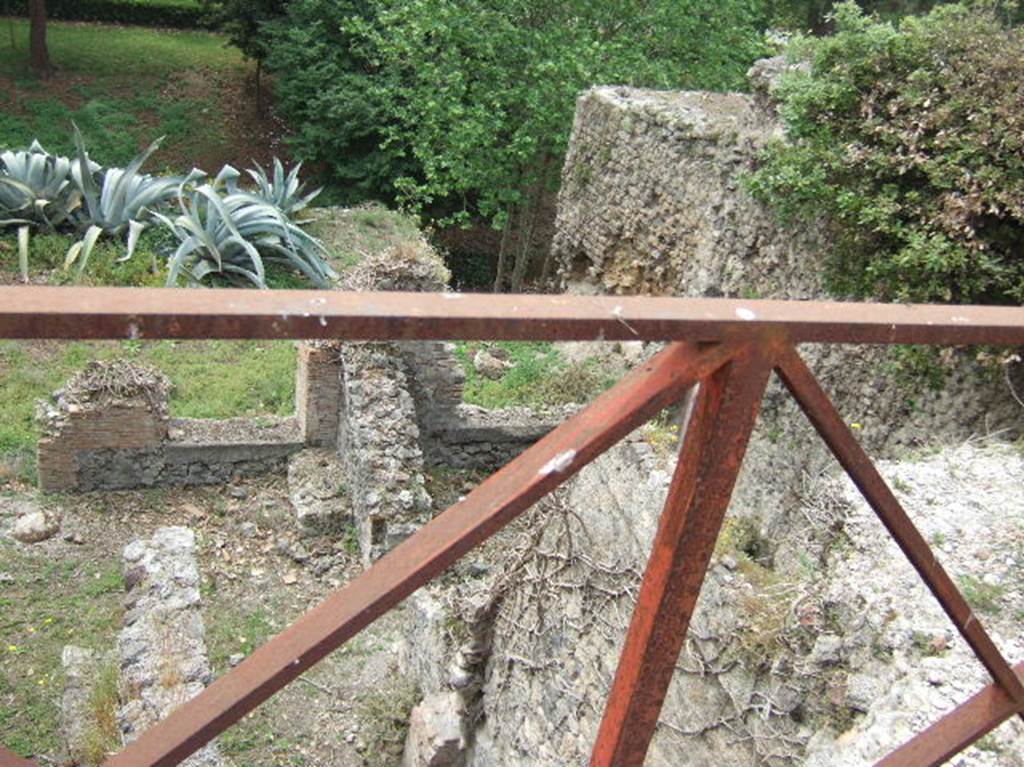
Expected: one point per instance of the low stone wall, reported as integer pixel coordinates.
(108, 429)
(477, 438)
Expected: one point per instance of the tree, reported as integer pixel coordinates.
(245, 24)
(463, 108)
(39, 55)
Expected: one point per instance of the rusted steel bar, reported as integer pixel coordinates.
(710, 458)
(426, 554)
(49, 312)
(10, 759)
(833, 430)
(964, 725)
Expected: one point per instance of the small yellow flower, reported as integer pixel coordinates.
(12, 648)
(856, 426)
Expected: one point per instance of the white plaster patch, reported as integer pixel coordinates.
(745, 314)
(452, 296)
(558, 464)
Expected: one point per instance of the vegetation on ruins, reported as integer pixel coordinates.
(463, 109)
(908, 140)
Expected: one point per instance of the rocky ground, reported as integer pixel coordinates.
(259, 570)
(905, 664)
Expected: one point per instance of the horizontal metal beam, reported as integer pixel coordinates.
(54, 312)
(958, 729)
(424, 555)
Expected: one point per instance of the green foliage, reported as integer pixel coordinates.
(114, 200)
(244, 21)
(231, 236)
(183, 14)
(464, 107)
(908, 139)
(223, 231)
(282, 191)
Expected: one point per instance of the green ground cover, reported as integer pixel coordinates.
(211, 379)
(123, 86)
(538, 376)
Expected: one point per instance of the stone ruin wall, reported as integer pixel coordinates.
(380, 412)
(652, 202)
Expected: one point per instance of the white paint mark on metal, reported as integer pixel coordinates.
(558, 464)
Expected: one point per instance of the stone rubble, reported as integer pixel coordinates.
(162, 646)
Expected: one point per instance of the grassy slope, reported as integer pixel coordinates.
(123, 86)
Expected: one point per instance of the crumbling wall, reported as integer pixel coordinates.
(319, 400)
(652, 202)
(108, 429)
(162, 645)
(381, 452)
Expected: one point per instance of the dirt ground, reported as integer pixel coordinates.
(258, 575)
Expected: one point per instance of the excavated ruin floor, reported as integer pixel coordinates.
(258, 574)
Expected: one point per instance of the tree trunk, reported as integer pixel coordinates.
(502, 268)
(259, 86)
(526, 225)
(39, 56)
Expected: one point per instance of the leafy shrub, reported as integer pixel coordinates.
(181, 14)
(462, 106)
(231, 236)
(115, 200)
(909, 140)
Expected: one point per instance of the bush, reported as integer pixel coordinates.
(464, 108)
(180, 14)
(909, 141)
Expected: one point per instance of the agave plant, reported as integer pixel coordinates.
(235, 235)
(117, 200)
(35, 188)
(284, 192)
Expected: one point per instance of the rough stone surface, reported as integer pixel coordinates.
(162, 646)
(905, 666)
(35, 526)
(489, 366)
(477, 438)
(652, 203)
(380, 447)
(833, 664)
(435, 733)
(316, 487)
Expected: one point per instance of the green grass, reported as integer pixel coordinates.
(48, 606)
(123, 86)
(211, 379)
(538, 377)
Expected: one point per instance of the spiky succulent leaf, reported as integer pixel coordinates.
(234, 235)
(284, 191)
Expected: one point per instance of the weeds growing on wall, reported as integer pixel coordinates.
(909, 141)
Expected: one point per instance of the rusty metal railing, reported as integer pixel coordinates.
(723, 351)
